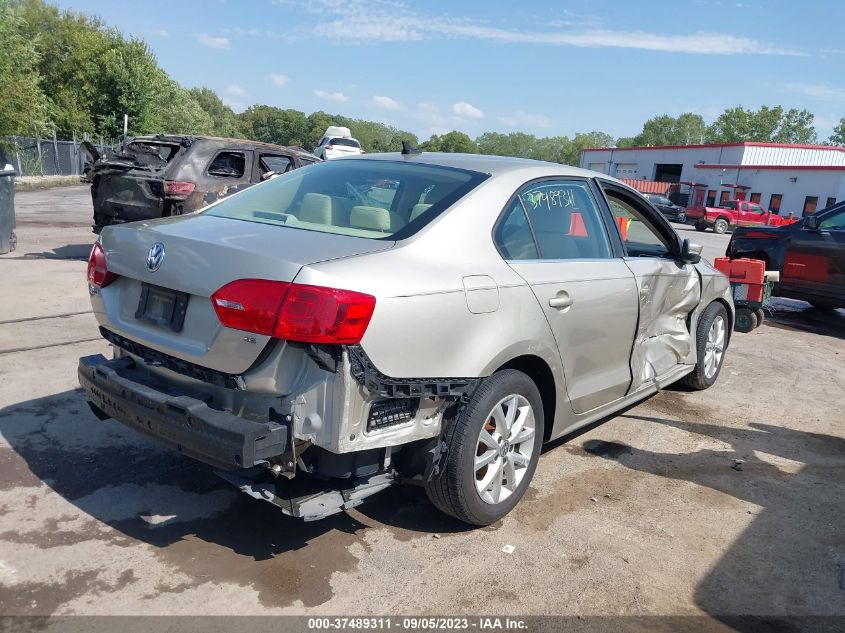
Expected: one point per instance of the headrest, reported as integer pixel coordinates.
(316, 208)
(371, 218)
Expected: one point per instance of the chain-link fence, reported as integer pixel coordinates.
(32, 156)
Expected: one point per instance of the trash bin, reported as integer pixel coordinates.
(8, 240)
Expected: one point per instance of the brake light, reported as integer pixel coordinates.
(295, 312)
(329, 146)
(178, 188)
(98, 271)
(361, 151)
(250, 304)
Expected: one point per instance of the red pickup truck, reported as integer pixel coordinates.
(734, 213)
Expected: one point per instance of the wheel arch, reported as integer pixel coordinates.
(541, 374)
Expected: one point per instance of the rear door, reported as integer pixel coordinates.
(667, 290)
(553, 235)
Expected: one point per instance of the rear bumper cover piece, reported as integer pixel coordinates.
(187, 424)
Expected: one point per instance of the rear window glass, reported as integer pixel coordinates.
(362, 198)
(348, 142)
(728, 205)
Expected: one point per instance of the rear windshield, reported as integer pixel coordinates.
(728, 205)
(348, 142)
(150, 154)
(363, 198)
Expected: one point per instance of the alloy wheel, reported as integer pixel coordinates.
(505, 446)
(715, 347)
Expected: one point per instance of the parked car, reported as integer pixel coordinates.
(733, 213)
(670, 210)
(421, 318)
(165, 175)
(337, 142)
(810, 255)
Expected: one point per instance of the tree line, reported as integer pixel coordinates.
(72, 73)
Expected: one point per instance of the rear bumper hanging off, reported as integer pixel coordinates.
(218, 438)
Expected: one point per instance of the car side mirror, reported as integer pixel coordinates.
(690, 252)
(811, 222)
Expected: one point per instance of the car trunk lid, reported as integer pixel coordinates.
(202, 254)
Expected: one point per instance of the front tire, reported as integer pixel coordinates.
(493, 449)
(682, 217)
(711, 341)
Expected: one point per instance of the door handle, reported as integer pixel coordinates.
(561, 300)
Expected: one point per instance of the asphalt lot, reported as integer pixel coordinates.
(722, 502)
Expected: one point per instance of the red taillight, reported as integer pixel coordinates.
(295, 312)
(329, 146)
(314, 314)
(250, 304)
(178, 188)
(361, 151)
(98, 271)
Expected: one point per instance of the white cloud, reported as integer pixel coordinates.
(467, 110)
(367, 21)
(816, 91)
(521, 118)
(331, 96)
(214, 42)
(386, 102)
(235, 90)
(279, 80)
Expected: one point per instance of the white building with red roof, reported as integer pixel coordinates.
(797, 179)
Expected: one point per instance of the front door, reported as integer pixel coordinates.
(553, 236)
(667, 290)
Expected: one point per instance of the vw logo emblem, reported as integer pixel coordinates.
(155, 257)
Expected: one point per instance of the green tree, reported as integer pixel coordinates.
(224, 120)
(274, 125)
(454, 142)
(838, 136)
(771, 125)
(23, 105)
(685, 129)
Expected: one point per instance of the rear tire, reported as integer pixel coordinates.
(711, 342)
(490, 439)
(699, 226)
(720, 226)
(761, 316)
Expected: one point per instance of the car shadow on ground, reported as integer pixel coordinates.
(798, 315)
(131, 489)
(790, 559)
(79, 252)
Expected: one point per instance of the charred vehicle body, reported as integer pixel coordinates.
(428, 318)
(160, 176)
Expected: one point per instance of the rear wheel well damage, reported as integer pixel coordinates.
(538, 370)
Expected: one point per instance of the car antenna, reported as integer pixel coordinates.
(409, 150)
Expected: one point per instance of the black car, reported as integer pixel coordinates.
(669, 209)
(809, 254)
(163, 175)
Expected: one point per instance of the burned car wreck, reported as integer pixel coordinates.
(398, 318)
(166, 175)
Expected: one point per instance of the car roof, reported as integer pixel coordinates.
(486, 164)
(179, 138)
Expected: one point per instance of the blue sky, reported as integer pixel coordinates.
(547, 68)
